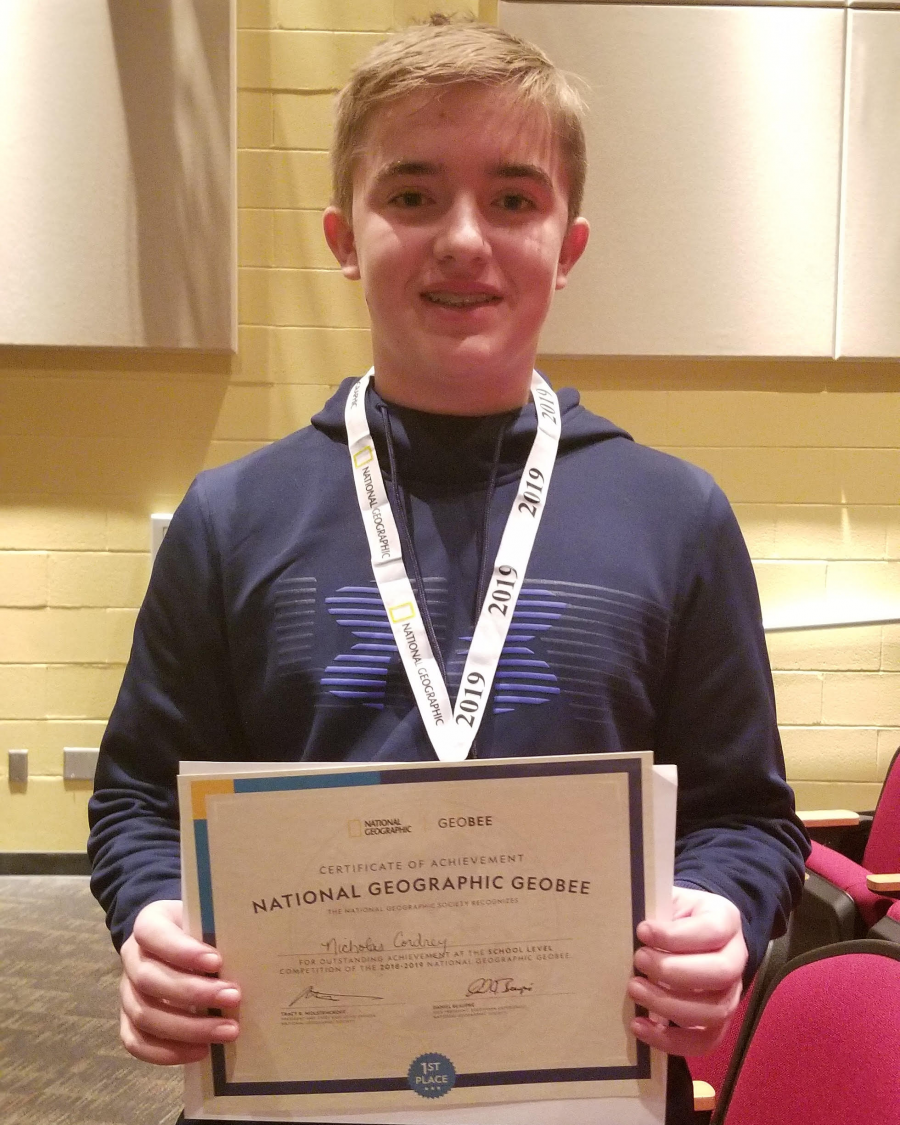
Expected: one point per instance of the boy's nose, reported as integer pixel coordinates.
(461, 237)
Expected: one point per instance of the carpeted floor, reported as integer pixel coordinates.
(61, 1062)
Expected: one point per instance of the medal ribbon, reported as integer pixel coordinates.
(452, 729)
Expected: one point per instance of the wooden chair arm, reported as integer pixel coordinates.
(704, 1097)
(829, 818)
(884, 884)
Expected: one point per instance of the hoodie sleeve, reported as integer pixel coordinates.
(737, 834)
(175, 703)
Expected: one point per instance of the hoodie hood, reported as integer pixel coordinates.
(422, 441)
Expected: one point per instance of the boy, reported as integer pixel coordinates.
(458, 168)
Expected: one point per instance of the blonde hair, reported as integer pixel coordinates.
(447, 52)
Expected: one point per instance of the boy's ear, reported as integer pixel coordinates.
(573, 244)
(339, 236)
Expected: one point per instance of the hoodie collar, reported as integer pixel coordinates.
(453, 450)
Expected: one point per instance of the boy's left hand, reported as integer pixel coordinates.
(692, 970)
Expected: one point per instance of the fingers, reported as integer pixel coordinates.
(688, 935)
(678, 1040)
(159, 981)
(706, 929)
(691, 970)
(705, 972)
(165, 991)
(687, 1009)
(164, 963)
(148, 1049)
(158, 930)
(159, 1028)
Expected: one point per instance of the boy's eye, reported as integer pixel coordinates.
(408, 199)
(513, 201)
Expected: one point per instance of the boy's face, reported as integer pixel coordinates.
(460, 234)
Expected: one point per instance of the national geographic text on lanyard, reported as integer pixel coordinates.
(452, 730)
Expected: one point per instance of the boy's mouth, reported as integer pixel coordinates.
(460, 300)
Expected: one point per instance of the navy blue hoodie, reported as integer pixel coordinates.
(263, 637)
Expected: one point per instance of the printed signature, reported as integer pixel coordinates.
(496, 986)
(336, 997)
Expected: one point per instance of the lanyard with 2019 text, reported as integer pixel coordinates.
(452, 730)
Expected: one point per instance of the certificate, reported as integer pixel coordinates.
(425, 941)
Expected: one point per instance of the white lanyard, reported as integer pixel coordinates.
(452, 730)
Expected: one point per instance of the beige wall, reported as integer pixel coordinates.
(92, 442)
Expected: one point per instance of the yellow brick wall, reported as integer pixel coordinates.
(808, 454)
(92, 442)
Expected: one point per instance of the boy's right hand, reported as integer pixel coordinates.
(165, 988)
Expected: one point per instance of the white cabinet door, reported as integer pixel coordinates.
(714, 175)
(869, 287)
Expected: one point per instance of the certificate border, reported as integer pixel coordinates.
(203, 788)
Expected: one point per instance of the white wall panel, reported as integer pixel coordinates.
(714, 150)
(869, 290)
(116, 173)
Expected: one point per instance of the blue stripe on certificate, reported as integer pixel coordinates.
(310, 781)
(204, 880)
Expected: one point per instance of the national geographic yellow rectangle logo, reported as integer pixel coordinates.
(406, 611)
(363, 457)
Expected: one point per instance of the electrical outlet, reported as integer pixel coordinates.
(159, 525)
(79, 763)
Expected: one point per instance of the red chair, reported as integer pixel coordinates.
(825, 1049)
(843, 899)
(888, 929)
(710, 1069)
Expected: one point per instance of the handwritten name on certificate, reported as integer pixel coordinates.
(424, 935)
